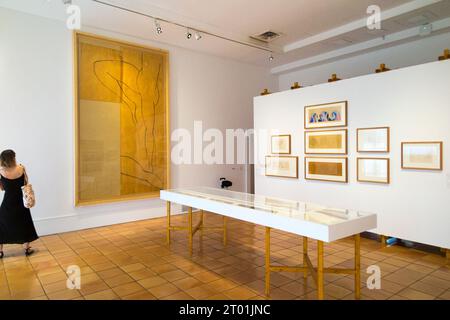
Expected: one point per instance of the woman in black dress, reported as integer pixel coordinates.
(16, 225)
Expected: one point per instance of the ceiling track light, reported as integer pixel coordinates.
(198, 35)
(158, 27)
(188, 34)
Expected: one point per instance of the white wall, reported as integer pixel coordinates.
(400, 56)
(414, 103)
(36, 114)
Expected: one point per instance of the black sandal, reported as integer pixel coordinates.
(29, 251)
(1, 254)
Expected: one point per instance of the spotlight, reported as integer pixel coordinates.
(158, 27)
(198, 36)
(188, 34)
(271, 58)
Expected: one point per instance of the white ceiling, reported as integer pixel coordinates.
(296, 19)
(313, 30)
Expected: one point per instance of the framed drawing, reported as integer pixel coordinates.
(422, 155)
(281, 144)
(326, 115)
(326, 169)
(326, 142)
(373, 170)
(373, 139)
(122, 120)
(286, 167)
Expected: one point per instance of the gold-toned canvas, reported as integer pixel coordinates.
(121, 120)
(422, 155)
(326, 115)
(326, 169)
(373, 170)
(281, 144)
(286, 167)
(326, 142)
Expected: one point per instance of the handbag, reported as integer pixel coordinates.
(29, 199)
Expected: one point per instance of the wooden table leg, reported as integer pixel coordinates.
(320, 278)
(305, 257)
(267, 261)
(383, 239)
(357, 266)
(190, 231)
(225, 240)
(168, 221)
(202, 222)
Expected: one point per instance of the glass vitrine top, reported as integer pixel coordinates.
(281, 207)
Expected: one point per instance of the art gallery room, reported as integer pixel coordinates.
(225, 150)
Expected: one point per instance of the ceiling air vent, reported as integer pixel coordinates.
(267, 36)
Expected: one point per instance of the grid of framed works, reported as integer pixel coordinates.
(326, 150)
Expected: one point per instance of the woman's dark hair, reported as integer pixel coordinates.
(8, 159)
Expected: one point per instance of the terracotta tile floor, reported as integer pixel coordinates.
(132, 261)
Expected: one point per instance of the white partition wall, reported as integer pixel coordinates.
(415, 103)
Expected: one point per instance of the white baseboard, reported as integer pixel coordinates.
(68, 223)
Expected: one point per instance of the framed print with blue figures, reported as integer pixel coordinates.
(326, 115)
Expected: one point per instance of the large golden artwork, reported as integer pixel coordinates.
(121, 120)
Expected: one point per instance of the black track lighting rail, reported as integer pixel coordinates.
(184, 26)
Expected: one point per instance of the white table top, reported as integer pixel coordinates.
(306, 219)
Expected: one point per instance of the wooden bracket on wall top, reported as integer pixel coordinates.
(295, 86)
(382, 68)
(446, 55)
(265, 92)
(334, 78)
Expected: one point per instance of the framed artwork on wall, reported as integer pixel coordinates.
(422, 155)
(326, 169)
(373, 170)
(281, 144)
(373, 139)
(326, 115)
(326, 142)
(122, 121)
(284, 166)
